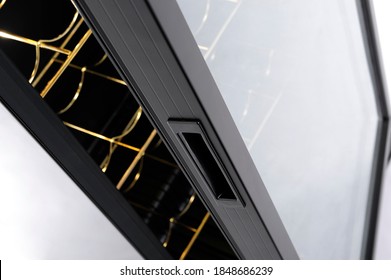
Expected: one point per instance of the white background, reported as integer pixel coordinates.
(43, 214)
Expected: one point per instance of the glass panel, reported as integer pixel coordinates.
(296, 81)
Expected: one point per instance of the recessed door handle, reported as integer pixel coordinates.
(204, 157)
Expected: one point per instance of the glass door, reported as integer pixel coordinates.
(275, 110)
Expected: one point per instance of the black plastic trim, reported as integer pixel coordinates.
(382, 147)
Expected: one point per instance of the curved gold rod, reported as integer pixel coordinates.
(100, 61)
(80, 86)
(169, 232)
(76, 96)
(173, 220)
(2, 3)
(55, 55)
(137, 176)
(36, 63)
(204, 18)
(42, 41)
(129, 127)
(186, 208)
(65, 32)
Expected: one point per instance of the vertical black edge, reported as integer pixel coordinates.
(44, 125)
(382, 146)
(178, 35)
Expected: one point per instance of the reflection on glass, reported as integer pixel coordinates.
(295, 79)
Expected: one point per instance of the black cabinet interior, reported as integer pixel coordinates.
(100, 111)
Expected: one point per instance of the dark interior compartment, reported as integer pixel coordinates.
(110, 125)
